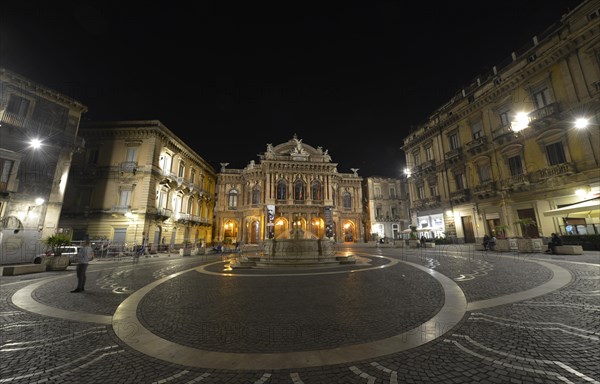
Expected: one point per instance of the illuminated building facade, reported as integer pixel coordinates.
(38, 136)
(293, 186)
(504, 155)
(386, 215)
(138, 183)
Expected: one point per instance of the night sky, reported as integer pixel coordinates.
(229, 77)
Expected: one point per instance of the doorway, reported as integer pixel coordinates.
(467, 224)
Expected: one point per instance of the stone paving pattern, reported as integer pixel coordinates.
(552, 338)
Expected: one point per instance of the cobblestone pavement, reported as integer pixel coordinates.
(441, 315)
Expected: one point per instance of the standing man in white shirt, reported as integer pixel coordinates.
(86, 253)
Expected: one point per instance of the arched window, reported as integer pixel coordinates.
(316, 190)
(347, 200)
(299, 192)
(233, 198)
(281, 190)
(255, 195)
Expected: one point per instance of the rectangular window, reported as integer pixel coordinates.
(190, 206)
(556, 153)
(421, 192)
(392, 192)
(377, 192)
(541, 97)
(429, 153)
(166, 163)
(433, 190)
(458, 179)
(394, 212)
(193, 176)
(417, 158)
(453, 138)
(125, 199)
(505, 118)
(5, 169)
(177, 204)
(477, 129)
(514, 164)
(181, 169)
(162, 200)
(18, 105)
(131, 154)
(378, 212)
(485, 173)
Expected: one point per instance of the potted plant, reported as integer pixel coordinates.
(501, 231)
(413, 242)
(528, 244)
(56, 261)
(503, 243)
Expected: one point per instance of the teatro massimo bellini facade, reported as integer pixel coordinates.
(293, 186)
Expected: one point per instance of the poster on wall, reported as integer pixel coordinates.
(270, 221)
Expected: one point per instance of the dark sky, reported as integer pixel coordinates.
(352, 76)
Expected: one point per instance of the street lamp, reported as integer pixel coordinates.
(582, 123)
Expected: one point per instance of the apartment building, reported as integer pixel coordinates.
(509, 154)
(138, 184)
(386, 213)
(38, 137)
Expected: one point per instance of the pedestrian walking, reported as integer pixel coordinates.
(86, 253)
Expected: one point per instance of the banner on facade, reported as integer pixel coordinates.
(329, 222)
(270, 221)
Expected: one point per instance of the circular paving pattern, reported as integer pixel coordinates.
(290, 312)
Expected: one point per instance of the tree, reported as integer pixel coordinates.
(56, 242)
(413, 232)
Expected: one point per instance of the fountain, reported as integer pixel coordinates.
(296, 248)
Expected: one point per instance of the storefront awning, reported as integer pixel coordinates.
(588, 207)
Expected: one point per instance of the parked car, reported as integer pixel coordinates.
(71, 250)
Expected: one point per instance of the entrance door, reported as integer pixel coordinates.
(254, 233)
(348, 232)
(467, 224)
(529, 230)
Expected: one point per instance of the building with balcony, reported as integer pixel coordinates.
(138, 183)
(38, 136)
(293, 186)
(386, 214)
(505, 150)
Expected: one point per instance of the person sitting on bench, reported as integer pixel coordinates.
(554, 241)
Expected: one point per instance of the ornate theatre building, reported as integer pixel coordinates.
(294, 186)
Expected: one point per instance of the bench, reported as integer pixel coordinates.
(569, 250)
(22, 269)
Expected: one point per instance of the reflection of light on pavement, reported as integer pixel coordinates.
(229, 261)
